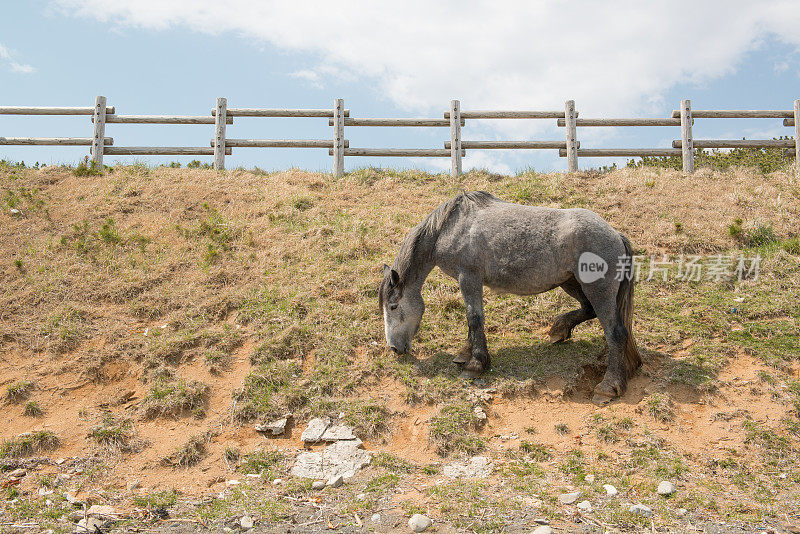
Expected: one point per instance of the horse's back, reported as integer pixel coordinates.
(524, 249)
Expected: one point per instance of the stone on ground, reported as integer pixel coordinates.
(376, 518)
(543, 530)
(586, 506)
(570, 498)
(316, 427)
(318, 485)
(589, 479)
(342, 458)
(476, 467)
(246, 522)
(419, 522)
(641, 510)
(335, 481)
(610, 490)
(337, 433)
(275, 428)
(666, 488)
(17, 473)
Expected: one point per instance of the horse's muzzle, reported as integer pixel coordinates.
(399, 350)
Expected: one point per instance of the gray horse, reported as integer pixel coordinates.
(480, 240)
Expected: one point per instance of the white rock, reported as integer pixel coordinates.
(335, 481)
(476, 467)
(44, 491)
(610, 490)
(277, 482)
(666, 488)
(544, 529)
(586, 506)
(589, 479)
(681, 512)
(275, 428)
(570, 498)
(246, 522)
(419, 522)
(316, 427)
(341, 458)
(337, 433)
(14, 211)
(480, 415)
(641, 510)
(376, 518)
(17, 473)
(318, 485)
(541, 521)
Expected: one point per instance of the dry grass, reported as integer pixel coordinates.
(168, 268)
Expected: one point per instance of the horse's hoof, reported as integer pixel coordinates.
(601, 400)
(557, 338)
(469, 375)
(606, 391)
(474, 365)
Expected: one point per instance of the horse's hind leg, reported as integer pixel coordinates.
(602, 295)
(564, 323)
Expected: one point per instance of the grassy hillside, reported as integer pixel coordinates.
(149, 316)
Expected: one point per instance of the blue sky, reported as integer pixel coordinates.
(176, 57)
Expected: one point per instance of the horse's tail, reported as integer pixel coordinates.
(633, 359)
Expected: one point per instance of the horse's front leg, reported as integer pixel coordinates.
(472, 291)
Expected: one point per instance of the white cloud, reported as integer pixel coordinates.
(614, 57)
(6, 56)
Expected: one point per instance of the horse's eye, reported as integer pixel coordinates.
(393, 307)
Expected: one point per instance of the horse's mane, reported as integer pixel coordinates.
(419, 243)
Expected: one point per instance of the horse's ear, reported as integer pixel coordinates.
(386, 270)
(395, 277)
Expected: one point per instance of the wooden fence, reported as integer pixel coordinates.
(454, 119)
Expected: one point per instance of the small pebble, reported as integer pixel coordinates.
(666, 488)
(335, 481)
(376, 518)
(419, 522)
(318, 485)
(610, 490)
(246, 522)
(570, 498)
(586, 506)
(543, 530)
(589, 479)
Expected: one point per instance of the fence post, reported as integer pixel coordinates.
(797, 136)
(98, 141)
(572, 145)
(338, 138)
(687, 145)
(219, 138)
(455, 138)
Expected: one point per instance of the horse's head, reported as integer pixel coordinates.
(402, 310)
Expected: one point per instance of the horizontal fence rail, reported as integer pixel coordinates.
(257, 112)
(280, 143)
(33, 110)
(161, 151)
(736, 114)
(162, 119)
(64, 141)
(455, 118)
